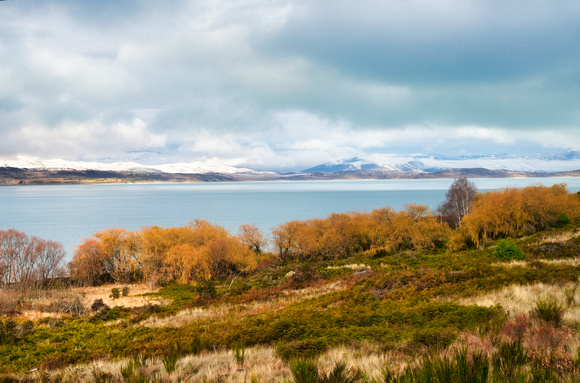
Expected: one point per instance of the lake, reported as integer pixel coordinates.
(68, 213)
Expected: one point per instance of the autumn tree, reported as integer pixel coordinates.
(119, 248)
(549, 206)
(209, 252)
(344, 234)
(458, 201)
(185, 263)
(285, 239)
(28, 261)
(252, 237)
(153, 243)
(511, 212)
(88, 266)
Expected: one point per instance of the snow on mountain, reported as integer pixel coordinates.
(351, 164)
(27, 162)
(554, 162)
(200, 168)
(360, 164)
(387, 163)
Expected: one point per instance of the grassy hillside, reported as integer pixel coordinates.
(388, 316)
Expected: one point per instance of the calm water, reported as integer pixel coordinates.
(67, 213)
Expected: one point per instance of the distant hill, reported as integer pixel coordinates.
(29, 170)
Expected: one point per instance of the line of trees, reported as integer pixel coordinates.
(201, 251)
(514, 212)
(341, 235)
(29, 262)
(197, 252)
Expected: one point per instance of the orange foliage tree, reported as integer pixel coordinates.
(88, 265)
(512, 212)
(341, 235)
(196, 252)
(252, 237)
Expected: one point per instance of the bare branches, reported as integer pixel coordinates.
(28, 261)
(459, 200)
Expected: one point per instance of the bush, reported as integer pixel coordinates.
(170, 361)
(12, 332)
(125, 291)
(509, 359)
(304, 371)
(98, 304)
(115, 293)
(507, 250)
(550, 311)
(239, 352)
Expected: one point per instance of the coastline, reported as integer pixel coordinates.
(16, 176)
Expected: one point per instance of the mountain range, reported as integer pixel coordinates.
(25, 169)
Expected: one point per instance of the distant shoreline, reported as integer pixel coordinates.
(16, 176)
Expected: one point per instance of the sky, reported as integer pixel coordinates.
(287, 84)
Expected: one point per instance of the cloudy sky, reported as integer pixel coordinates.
(287, 84)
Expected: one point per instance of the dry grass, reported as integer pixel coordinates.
(511, 264)
(563, 262)
(520, 299)
(559, 237)
(217, 312)
(368, 359)
(38, 302)
(135, 297)
(557, 262)
(261, 364)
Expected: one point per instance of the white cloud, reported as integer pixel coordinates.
(94, 139)
(287, 84)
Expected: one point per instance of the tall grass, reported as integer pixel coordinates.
(550, 311)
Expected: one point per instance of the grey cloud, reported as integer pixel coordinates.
(434, 42)
(195, 72)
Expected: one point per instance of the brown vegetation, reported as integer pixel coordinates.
(28, 262)
(197, 252)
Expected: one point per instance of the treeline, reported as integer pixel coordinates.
(341, 235)
(201, 251)
(28, 262)
(514, 212)
(197, 252)
(475, 217)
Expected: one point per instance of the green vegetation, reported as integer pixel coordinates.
(386, 283)
(507, 250)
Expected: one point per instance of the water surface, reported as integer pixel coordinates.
(67, 213)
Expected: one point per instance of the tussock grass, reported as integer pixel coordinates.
(564, 236)
(522, 299)
(261, 364)
(220, 311)
(555, 262)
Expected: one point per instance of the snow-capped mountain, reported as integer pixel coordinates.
(351, 164)
(360, 164)
(26, 162)
(371, 166)
(424, 163)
